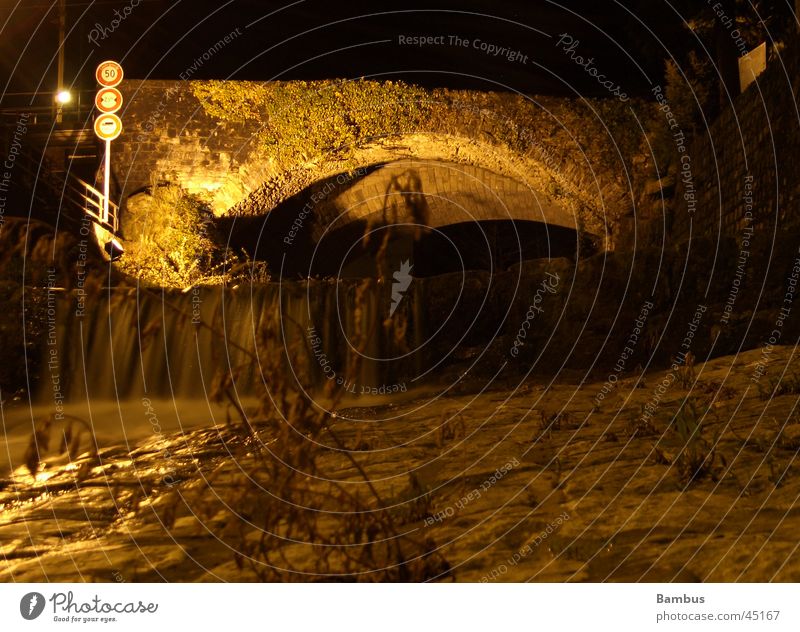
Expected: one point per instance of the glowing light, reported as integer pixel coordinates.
(64, 97)
(114, 249)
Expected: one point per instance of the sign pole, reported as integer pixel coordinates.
(107, 126)
(107, 181)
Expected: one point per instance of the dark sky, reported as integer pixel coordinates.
(310, 39)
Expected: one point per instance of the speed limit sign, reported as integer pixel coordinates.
(109, 74)
(107, 127)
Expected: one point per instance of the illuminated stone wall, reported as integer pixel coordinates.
(402, 189)
(168, 138)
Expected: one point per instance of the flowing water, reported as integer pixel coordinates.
(133, 364)
(172, 345)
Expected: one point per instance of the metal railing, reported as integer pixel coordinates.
(43, 108)
(71, 196)
(94, 206)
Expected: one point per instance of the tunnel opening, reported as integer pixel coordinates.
(483, 246)
(439, 216)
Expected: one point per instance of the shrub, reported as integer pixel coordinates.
(169, 239)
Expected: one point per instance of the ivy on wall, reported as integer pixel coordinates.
(300, 120)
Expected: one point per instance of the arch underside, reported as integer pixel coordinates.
(322, 226)
(436, 194)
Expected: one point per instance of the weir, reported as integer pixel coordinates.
(184, 345)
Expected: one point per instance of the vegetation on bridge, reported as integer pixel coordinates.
(579, 151)
(301, 120)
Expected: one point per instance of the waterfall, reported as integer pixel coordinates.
(169, 344)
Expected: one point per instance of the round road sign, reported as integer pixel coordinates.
(108, 74)
(108, 100)
(107, 126)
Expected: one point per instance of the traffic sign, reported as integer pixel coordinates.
(107, 127)
(109, 74)
(108, 100)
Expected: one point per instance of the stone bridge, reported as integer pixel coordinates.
(248, 147)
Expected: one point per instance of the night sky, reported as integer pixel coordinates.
(313, 39)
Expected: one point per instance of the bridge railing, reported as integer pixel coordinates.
(43, 109)
(64, 192)
(94, 205)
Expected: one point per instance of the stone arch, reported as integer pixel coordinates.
(579, 153)
(409, 193)
(438, 193)
(466, 161)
